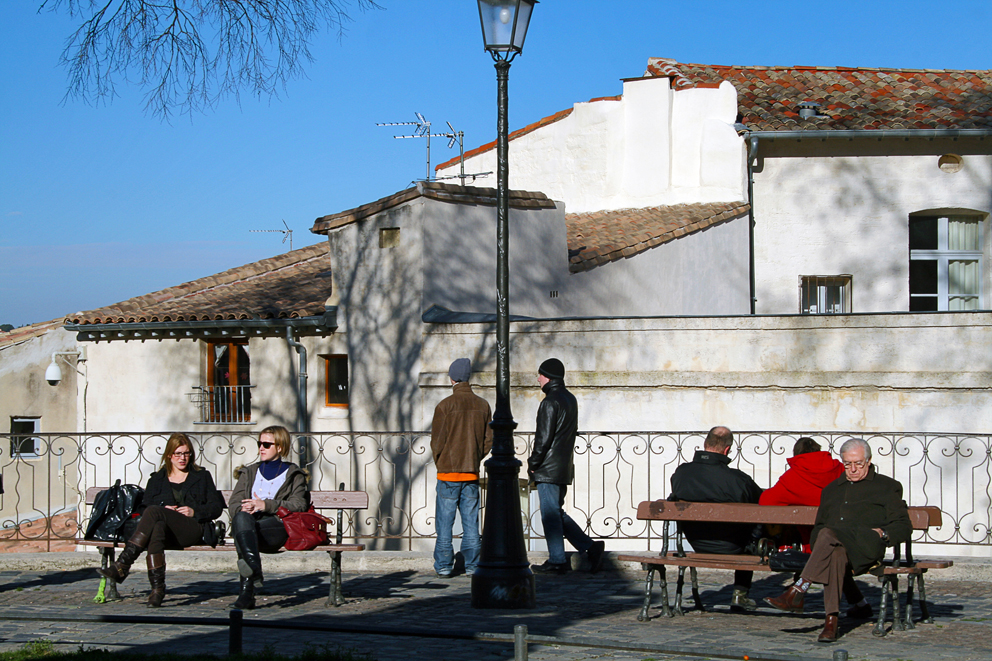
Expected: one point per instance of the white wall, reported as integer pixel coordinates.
(849, 214)
(919, 373)
(703, 273)
(652, 147)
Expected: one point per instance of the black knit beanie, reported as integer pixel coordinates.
(552, 368)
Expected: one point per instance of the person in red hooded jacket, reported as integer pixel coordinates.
(810, 469)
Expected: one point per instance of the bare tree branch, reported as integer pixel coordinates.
(188, 54)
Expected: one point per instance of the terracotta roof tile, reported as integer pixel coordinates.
(850, 98)
(601, 237)
(282, 287)
(25, 333)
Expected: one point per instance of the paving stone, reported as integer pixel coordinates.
(603, 607)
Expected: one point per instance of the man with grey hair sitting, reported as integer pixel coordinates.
(860, 514)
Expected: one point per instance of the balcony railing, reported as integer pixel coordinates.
(614, 472)
(222, 404)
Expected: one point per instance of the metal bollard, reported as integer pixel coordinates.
(520, 642)
(234, 632)
(840, 655)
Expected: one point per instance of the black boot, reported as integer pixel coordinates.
(118, 570)
(246, 598)
(156, 576)
(249, 560)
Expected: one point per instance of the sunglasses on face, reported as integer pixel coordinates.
(265, 444)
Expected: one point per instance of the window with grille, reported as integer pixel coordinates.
(824, 294)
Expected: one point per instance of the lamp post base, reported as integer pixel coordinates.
(503, 587)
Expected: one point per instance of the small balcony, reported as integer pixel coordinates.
(225, 405)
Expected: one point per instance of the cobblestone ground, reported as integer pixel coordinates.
(602, 608)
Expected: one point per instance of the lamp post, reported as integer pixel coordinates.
(503, 578)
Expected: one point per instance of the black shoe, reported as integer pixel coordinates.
(550, 568)
(860, 612)
(595, 555)
(440, 574)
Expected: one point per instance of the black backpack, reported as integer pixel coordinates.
(112, 510)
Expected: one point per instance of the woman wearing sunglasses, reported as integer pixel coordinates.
(179, 498)
(262, 488)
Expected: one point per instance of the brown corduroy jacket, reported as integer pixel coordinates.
(460, 432)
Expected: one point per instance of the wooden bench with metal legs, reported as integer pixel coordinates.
(322, 500)
(888, 572)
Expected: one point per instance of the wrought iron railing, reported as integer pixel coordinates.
(614, 472)
(222, 404)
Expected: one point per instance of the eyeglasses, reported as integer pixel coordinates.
(856, 464)
(180, 455)
(265, 444)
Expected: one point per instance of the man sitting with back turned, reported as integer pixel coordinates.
(710, 479)
(860, 514)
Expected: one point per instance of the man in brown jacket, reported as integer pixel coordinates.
(460, 438)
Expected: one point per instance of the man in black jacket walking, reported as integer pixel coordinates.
(550, 466)
(708, 478)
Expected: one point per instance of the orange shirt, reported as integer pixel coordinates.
(458, 477)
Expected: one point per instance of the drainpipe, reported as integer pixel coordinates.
(302, 419)
(752, 157)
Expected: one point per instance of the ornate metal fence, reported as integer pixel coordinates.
(614, 472)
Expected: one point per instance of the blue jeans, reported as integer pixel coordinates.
(461, 497)
(557, 524)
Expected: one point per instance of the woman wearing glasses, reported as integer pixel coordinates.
(179, 498)
(262, 488)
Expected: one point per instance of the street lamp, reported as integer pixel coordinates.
(503, 578)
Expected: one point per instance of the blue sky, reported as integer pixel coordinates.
(102, 203)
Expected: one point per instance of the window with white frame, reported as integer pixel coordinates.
(945, 263)
(22, 441)
(824, 294)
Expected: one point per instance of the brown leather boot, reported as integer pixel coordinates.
(156, 576)
(790, 601)
(829, 633)
(118, 571)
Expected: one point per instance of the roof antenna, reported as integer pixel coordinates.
(286, 234)
(423, 130)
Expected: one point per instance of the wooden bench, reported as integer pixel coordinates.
(322, 500)
(888, 573)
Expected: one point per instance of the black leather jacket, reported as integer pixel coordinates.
(554, 440)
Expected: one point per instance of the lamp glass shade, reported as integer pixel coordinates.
(504, 24)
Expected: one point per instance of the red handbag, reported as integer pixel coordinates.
(306, 530)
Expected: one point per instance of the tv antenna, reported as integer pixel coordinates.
(286, 234)
(423, 130)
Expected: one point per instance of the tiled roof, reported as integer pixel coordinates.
(291, 285)
(25, 333)
(849, 98)
(435, 191)
(601, 237)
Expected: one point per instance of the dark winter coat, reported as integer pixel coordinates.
(853, 509)
(554, 440)
(460, 431)
(708, 478)
(198, 492)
